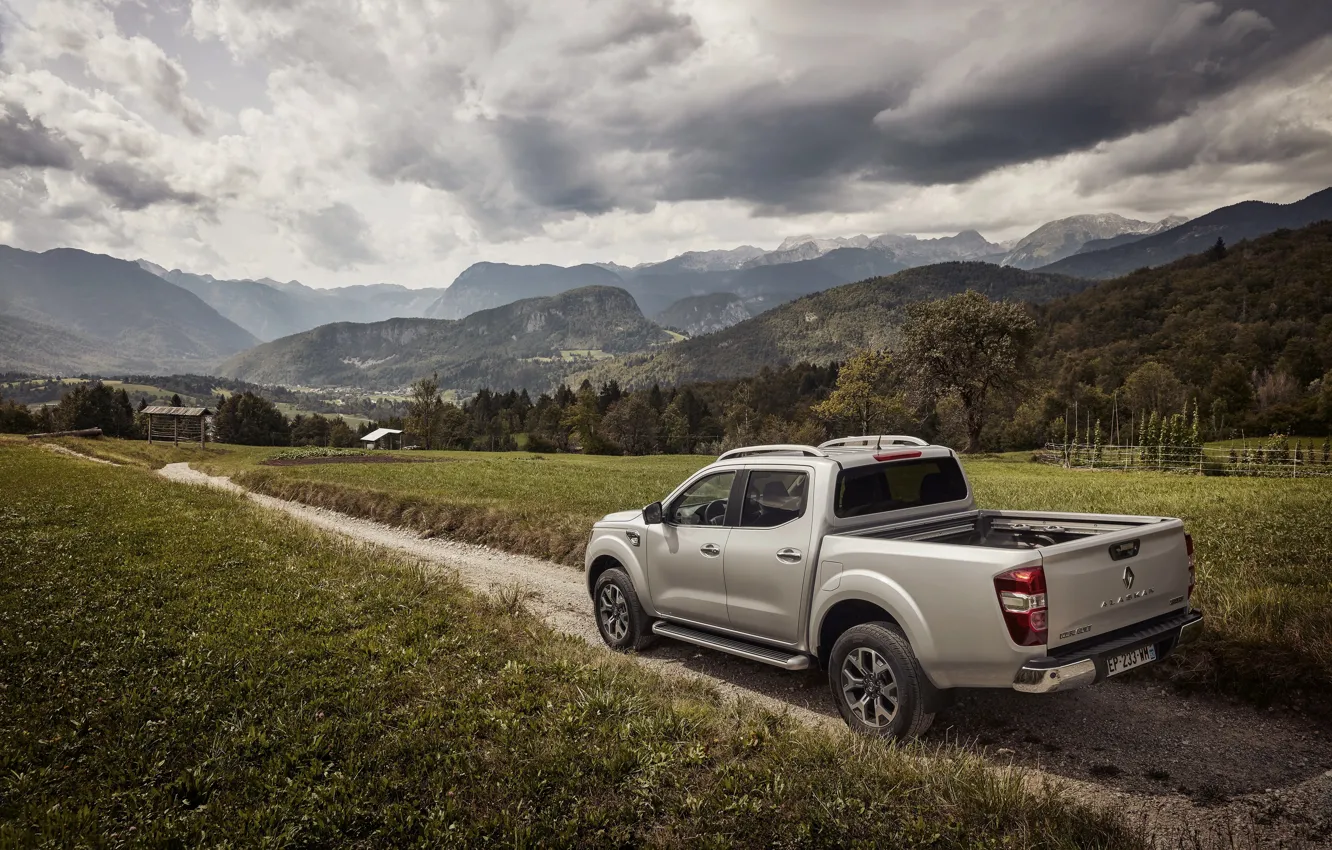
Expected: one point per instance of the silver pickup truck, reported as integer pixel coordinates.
(868, 557)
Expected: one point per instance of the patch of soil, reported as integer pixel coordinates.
(384, 458)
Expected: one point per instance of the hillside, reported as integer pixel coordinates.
(704, 314)
(829, 325)
(269, 309)
(1266, 306)
(127, 314)
(482, 286)
(1246, 220)
(34, 348)
(529, 343)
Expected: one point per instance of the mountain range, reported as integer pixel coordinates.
(69, 311)
(1245, 220)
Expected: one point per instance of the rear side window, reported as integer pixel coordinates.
(773, 498)
(894, 486)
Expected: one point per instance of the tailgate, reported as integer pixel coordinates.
(1110, 581)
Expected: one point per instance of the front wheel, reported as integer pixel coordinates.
(876, 682)
(620, 617)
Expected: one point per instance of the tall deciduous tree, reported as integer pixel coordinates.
(861, 399)
(632, 424)
(423, 409)
(969, 347)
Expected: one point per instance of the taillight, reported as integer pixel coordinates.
(1022, 599)
(1193, 569)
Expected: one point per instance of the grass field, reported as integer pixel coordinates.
(184, 669)
(1264, 546)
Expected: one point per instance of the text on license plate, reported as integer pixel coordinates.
(1136, 658)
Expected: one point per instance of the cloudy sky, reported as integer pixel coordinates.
(354, 141)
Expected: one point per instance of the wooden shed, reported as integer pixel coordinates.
(177, 424)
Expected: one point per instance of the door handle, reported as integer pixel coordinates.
(712, 550)
(789, 556)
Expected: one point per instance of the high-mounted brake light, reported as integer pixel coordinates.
(1193, 569)
(1022, 599)
(882, 456)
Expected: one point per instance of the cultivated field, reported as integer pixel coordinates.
(182, 668)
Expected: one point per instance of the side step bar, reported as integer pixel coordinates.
(753, 652)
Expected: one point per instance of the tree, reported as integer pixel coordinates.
(175, 400)
(861, 400)
(584, 420)
(1152, 387)
(95, 405)
(250, 420)
(340, 436)
(1217, 251)
(632, 423)
(969, 347)
(423, 408)
(16, 418)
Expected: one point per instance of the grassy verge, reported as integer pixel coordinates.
(184, 669)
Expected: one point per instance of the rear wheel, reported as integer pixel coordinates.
(620, 617)
(877, 682)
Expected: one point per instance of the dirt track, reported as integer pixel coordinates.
(1182, 766)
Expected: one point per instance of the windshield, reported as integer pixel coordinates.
(897, 485)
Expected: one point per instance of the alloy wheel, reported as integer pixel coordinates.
(613, 610)
(869, 687)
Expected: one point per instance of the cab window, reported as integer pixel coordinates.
(704, 503)
(894, 486)
(773, 498)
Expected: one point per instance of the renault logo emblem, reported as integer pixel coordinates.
(1128, 577)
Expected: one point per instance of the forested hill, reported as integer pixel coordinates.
(828, 325)
(1256, 320)
(530, 343)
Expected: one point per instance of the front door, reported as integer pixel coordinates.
(768, 556)
(685, 553)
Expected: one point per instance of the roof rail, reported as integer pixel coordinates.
(779, 448)
(873, 441)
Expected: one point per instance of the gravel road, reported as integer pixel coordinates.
(1196, 771)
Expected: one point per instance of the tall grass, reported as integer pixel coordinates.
(183, 669)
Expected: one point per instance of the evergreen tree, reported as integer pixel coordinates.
(251, 420)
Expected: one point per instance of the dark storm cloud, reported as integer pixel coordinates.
(27, 145)
(26, 142)
(798, 145)
(130, 188)
(336, 237)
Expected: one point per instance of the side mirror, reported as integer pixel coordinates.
(652, 514)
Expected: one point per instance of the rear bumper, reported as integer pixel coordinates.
(1086, 664)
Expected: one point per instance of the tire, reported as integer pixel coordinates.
(877, 682)
(621, 620)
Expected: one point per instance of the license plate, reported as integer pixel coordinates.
(1117, 664)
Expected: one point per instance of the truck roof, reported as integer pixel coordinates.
(844, 451)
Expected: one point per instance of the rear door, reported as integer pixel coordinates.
(1103, 583)
(769, 554)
